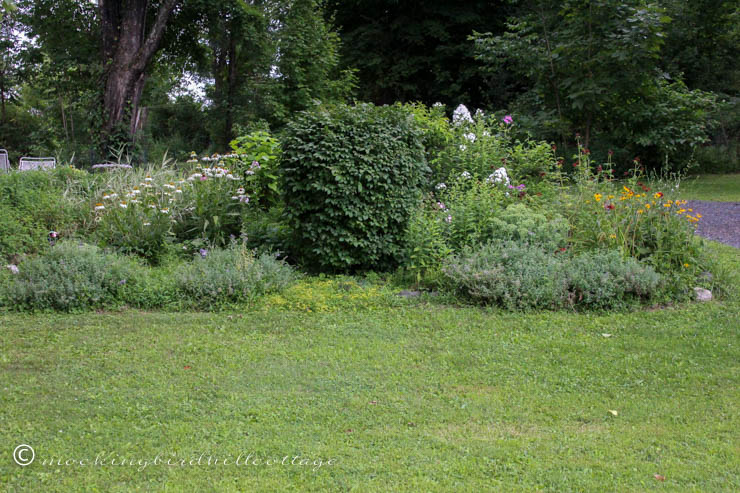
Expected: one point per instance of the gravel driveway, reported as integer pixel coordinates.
(720, 221)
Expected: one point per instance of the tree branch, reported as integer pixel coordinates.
(149, 48)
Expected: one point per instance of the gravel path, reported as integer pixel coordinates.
(720, 221)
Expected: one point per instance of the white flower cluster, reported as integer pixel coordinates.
(499, 176)
(203, 174)
(466, 175)
(441, 186)
(461, 115)
(146, 192)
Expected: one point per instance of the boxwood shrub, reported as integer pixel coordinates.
(351, 177)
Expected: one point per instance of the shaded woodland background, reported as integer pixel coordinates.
(137, 80)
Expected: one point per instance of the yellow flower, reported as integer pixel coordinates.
(666, 205)
(680, 211)
(640, 211)
(698, 215)
(647, 206)
(686, 265)
(610, 197)
(597, 197)
(613, 237)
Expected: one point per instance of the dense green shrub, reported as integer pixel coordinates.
(69, 277)
(33, 203)
(519, 276)
(266, 231)
(219, 277)
(351, 178)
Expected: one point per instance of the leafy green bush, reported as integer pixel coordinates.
(520, 277)
(69, 277)
(261, 179)
(437, 134)
(266, 231)
(219, 277)
(351, 179)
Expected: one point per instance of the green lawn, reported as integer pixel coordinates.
(401, 395)
(719, 188)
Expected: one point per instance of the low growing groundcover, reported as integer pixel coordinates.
(400, 395)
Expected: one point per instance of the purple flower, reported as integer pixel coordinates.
(122, 282)
(520, 187)
(508, 120)
(203, 253)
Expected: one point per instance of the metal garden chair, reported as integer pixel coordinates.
(33, 163)
(4, 162)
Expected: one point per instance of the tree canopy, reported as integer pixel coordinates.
(84, 78)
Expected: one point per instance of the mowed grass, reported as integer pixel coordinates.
(718, 188)
(401, 395)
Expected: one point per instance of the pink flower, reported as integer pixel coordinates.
(203, 178)
(508, 120)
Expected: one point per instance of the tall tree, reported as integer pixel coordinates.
(9, 51)
(416, 50)
(128, 48)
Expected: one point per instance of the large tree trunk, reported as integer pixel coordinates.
(127, 52)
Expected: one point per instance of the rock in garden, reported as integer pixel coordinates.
(703, 294)
(409, 294)
(706, 276)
